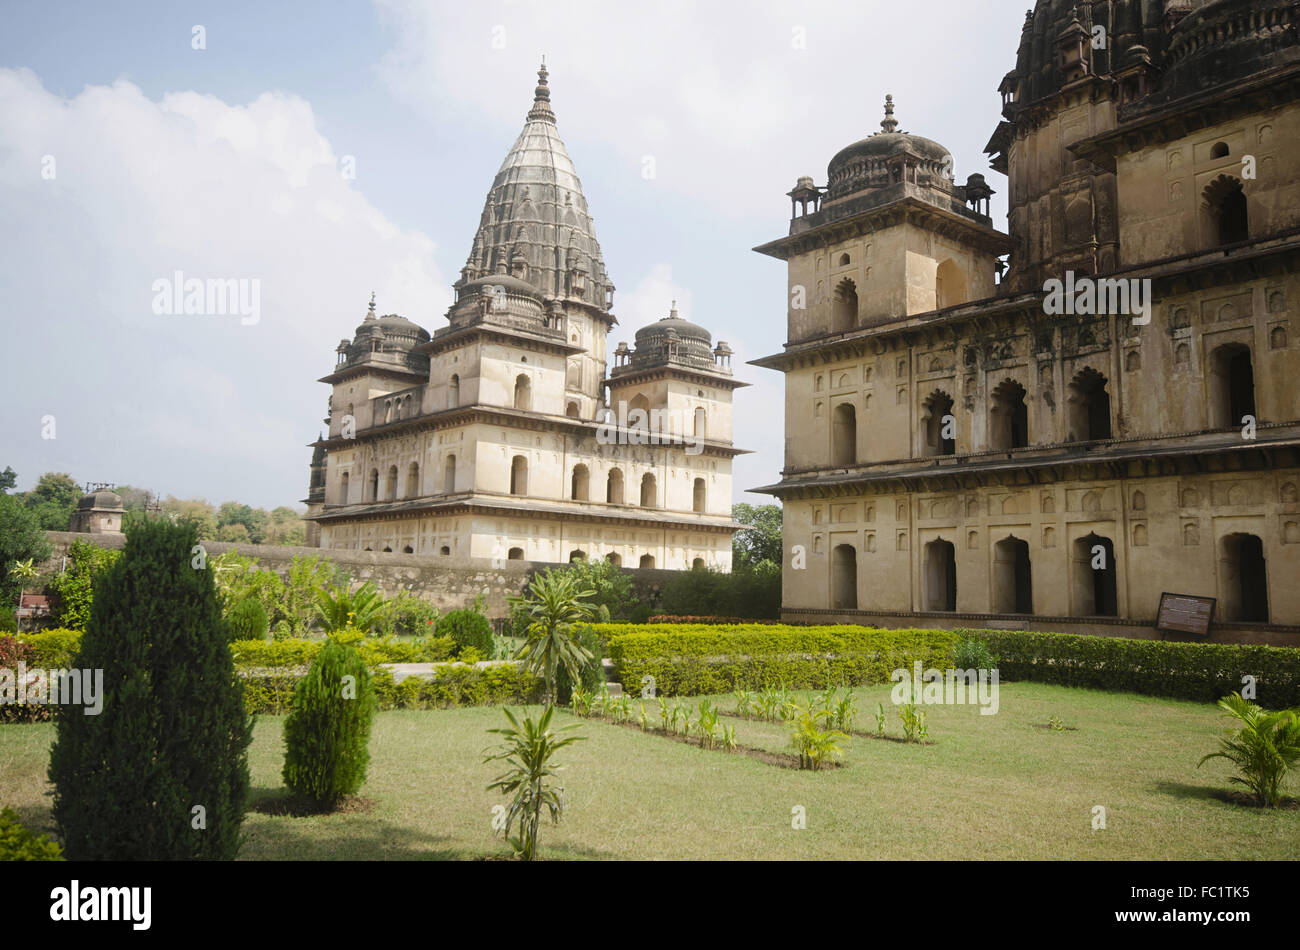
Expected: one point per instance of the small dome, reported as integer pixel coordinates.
(660, 330)
(511, 285)
(100, 499)
(864, 164)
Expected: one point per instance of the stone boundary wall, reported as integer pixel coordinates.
(446, 582)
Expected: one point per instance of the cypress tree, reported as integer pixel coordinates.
(327, 734)
(161, 773)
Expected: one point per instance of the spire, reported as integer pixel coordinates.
(370, 314)
(672, 312)
(889, 123)
(542, 98)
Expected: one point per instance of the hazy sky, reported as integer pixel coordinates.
(225, 162)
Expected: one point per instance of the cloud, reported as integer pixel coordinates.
(194, 405)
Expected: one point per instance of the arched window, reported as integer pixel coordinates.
(343, 488)
(647, 562)
(614, 558)
(698, 564)
(701, 424)
(571, 410)
(390, 491)
(940, 577)
(449, 474)
(638, 413)
(649, 491)
(844, 307)
(523, 392)
(937, 406)
(408, 550)
(1089, 407)
(1232, 386)
(1219, 150)
(388, 410)
(453, 391)
(373, 493)
(1243, 579)
(445, 551)
(413, 480)
(1094, 577)
(519, 475)
(1008, 417)
(614, 487)
(1012, 577)
(1224, 203)
(844, 435)
(575, 556)
(949, 285)
(515, 554)
(579, 482)
(844, 577)
(697, 496)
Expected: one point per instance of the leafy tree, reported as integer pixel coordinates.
(554, 603)
(253, 519)
(760, 540)
(285, 526)
(235, 533)
(21, 539)
(528, 749)
(612, 587)
(1264, 749)
(193, 511)
(74, 587)
(327, 734)
(8, 479)
(161, 773)
(469, 629)
(53, 500)
(296, 605)
(750, 591)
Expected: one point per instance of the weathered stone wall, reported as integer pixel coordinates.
(445, 582)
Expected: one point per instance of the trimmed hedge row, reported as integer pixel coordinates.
(53, 649)
(694, 659)
(457, 684)
(1202, 672)
(264, 654)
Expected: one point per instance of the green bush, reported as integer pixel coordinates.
(687, 659)
(750, 592)
(74, 587)
(468, 628)
(8, 621)
(972, 653)
(1201, 672)
(52, 649)
(409, 615)
(247, 620)
(173, 734)
(593, 674)
(19, 844)
(327, 734)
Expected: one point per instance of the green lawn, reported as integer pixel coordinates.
(991, 787)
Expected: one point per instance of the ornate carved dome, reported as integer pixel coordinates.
(384, 339)
(535, 225)
(884, 159)
(674, 340)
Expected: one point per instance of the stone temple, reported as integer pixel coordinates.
(959, 452)
(506, 435)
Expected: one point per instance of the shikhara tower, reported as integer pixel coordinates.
(484, 439)
(957, 456)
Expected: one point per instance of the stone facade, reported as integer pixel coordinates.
(505, 435)
(98, 512)
(958, 449)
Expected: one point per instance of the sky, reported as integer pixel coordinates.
(332, 149)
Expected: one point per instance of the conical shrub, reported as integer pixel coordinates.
(327, 734)
(161, 773)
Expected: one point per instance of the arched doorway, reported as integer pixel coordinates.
(940, 576)
(1243, 578)
(1012, 577)
(1089, 404)
(1094, 577)
(844, 577)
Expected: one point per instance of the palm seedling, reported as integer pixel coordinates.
(362, 608)
(641, 717)
(729, 738)
(1264, 749)
(527, 748)
(846, 710)
(580, 702)
(814, 745)
(555, 603)
(665, 715)
(744, 702)
(880, 719)
(707, 725)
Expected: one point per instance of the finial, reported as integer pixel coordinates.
(672, 311)
(542, 96)
(371, 314)
(888, 123)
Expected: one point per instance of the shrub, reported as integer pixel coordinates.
(1264, 749)
(172, 733)
(74, 587)
(467, 628)
(409, 615)
(247, 620)
(972, 653)
(327, 735)
(611, 587)
(691, 660)
(1201, 672)
(19, 844)
(8, 621)
(752, 592)
(52, 649)
(592, 676)
(21, 539)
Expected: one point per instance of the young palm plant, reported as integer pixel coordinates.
(815, 746)
(362, 608)
(1264, 749)
(554, 605)
(527, 748)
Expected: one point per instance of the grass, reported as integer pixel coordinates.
(999, 787)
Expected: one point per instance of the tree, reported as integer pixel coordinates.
(74, 586)
(23, 571)
(555, 601)
(236, 533)
(53, 500)
(21, 539)
(193, 511)
(161, 773)
(8, 479)
(528, 749)
(253, 519)
(285, 526)
(1264, 750)
(760, 540)
(612, 587)
(327, 735)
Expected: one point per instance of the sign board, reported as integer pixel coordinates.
(1185, 613)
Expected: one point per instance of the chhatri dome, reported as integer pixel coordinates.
(887, 157)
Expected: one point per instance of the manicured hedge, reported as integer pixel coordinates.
(264, 654)
(53, 649)
(693, 659)
(1202, 672)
